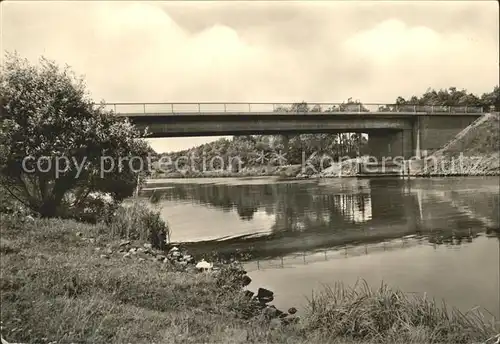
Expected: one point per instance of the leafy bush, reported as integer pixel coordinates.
(138, 222)
(92, 209)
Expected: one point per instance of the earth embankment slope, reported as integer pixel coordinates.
(474, 151)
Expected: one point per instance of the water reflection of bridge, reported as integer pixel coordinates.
(345, 251)
(327, 213)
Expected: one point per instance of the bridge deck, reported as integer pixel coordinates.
(238, 109)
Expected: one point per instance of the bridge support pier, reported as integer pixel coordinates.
(286, 141)
(416, 139)
(389, 144)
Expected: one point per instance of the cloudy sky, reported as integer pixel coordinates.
(260, 51)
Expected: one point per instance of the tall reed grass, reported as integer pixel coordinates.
(386, 314)
(137, 221)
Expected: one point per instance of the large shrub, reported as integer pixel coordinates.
(48, 116)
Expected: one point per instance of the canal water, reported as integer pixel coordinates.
(433, 236)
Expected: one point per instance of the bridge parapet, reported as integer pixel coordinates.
(151, 109)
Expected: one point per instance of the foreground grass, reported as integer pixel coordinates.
(56, 287)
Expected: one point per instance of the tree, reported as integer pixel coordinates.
(54, 139)
(300, 107)
(349, 106)
(295, 107)
(491, 100)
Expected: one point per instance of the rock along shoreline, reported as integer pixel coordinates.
(230, 277)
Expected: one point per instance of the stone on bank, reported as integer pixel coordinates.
(230, 276)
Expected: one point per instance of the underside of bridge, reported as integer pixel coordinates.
(389, 135)
(221, 125)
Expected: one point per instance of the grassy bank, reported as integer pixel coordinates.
(57, 286)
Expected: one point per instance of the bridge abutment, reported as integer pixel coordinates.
(436, 131)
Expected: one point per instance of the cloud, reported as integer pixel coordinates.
(414, 58)
(282, 52)
(392, 40)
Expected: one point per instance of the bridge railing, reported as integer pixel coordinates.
(149, 109)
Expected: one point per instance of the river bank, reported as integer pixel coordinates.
(423, 169)
(64, 281)
(441, 164)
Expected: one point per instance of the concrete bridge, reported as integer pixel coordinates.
(394, 130)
